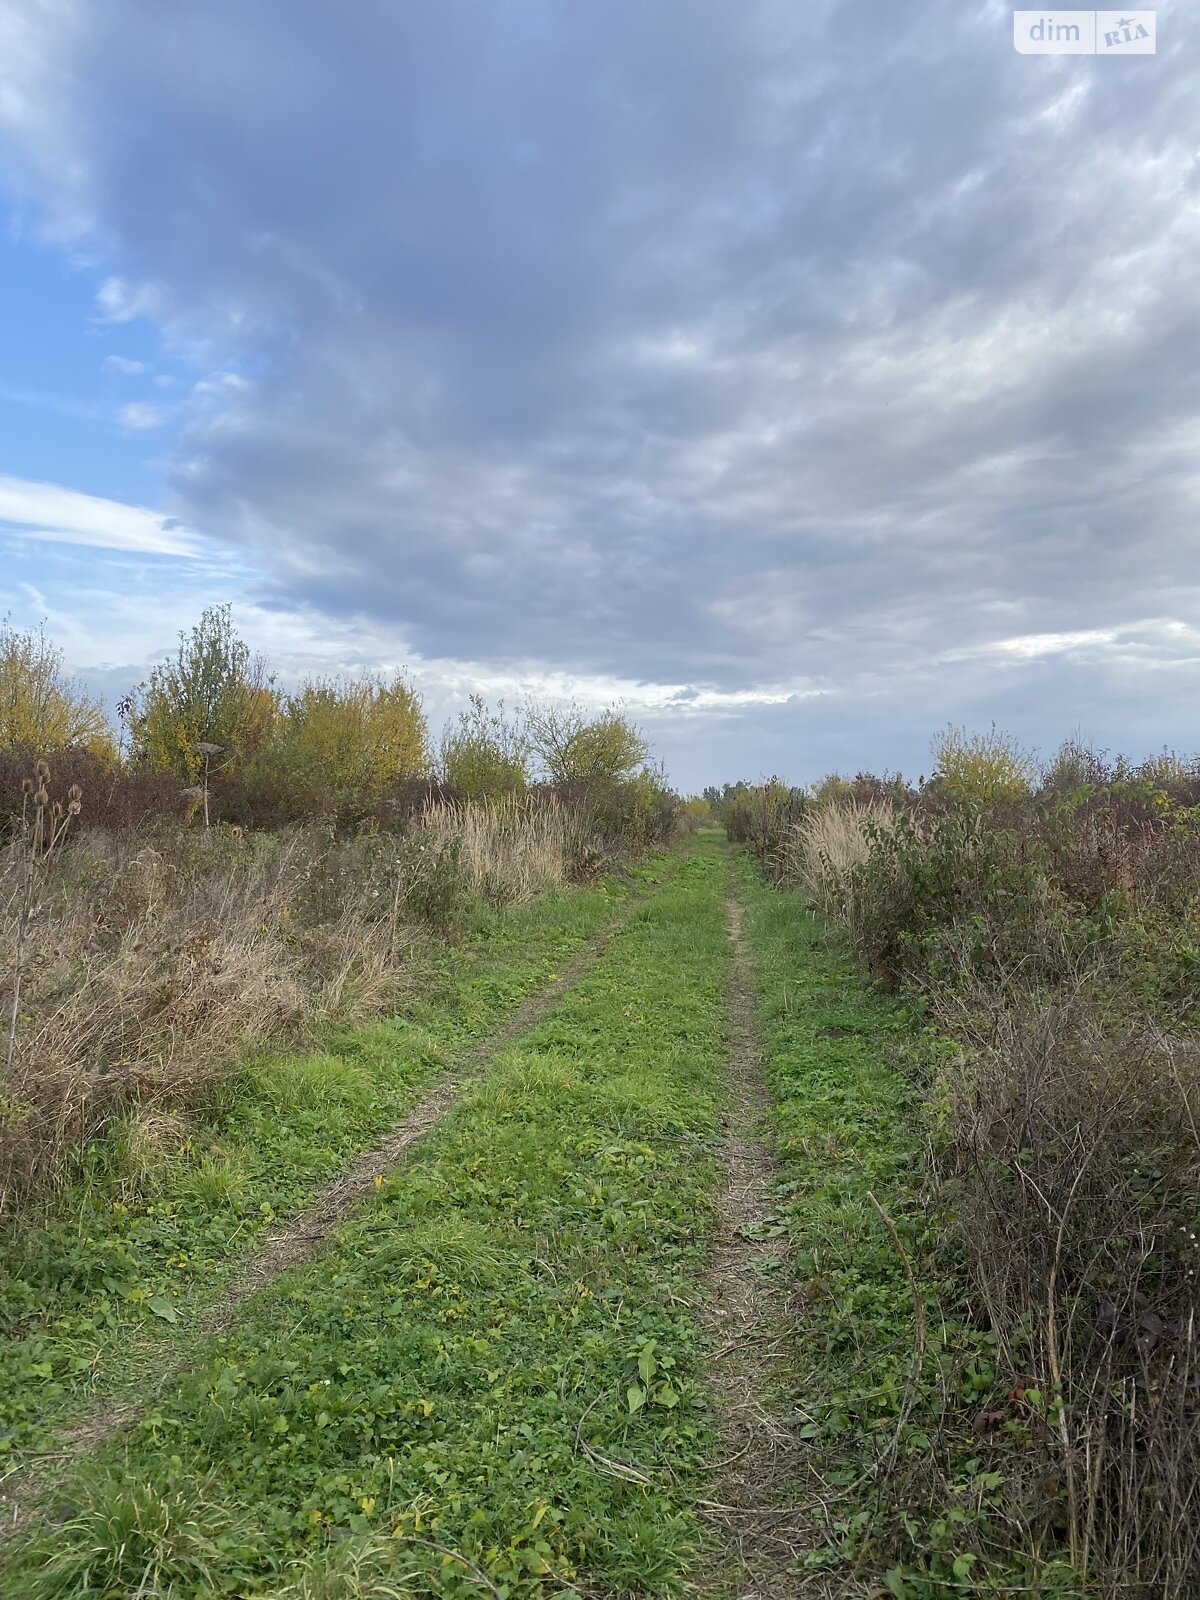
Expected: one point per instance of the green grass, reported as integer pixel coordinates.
(119, 1265)
(495, 1360)
(849, 1070)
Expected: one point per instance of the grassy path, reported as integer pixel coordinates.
(494, 1369)
(114, 1282)
(562, 1349)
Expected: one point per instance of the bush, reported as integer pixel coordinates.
(982, 768)
(762, 815)
(1071, 1149)
(1054, 936)
(115, 797)
(574, 748)
(341, 745)
(485, 754)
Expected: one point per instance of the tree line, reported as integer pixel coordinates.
(213, 716)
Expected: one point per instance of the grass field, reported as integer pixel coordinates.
(499, 1373)
(97, 1283)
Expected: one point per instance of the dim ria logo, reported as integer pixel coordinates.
(1084, 33)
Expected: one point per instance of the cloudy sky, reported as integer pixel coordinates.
(804, 375)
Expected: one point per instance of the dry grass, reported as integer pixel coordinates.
(817, 853)
(513, 850)
(153, 959)
(152, 964)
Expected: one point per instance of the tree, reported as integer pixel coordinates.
(574, 748)
(41, 705)
(982, 768)
(485, 753)
(342, 741)
(214, 692)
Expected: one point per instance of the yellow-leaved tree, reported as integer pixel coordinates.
(983, 769)
(342, 742)
(212, 703)
(41, 705)
(485, 754)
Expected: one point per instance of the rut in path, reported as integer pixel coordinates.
(748, 1310)
(304, 1235)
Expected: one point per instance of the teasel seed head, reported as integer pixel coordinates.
(27, 785)
(56, 810)
(73, 808)
(42, 797)
(74, 792)
(43, 770)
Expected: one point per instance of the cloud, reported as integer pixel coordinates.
(124, 365)
(44, 511)
(784, 362)
(139, 415)
(118, 301)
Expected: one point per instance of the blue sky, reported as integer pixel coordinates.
(803, 377)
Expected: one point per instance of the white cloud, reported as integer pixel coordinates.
(139, 415)
(117, 300)
(45, 511)
(124, 365)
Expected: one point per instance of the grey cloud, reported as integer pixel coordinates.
(706, 345)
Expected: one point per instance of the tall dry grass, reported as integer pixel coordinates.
(513, 849)
(150, 965)
(817, 853)
(154, 959)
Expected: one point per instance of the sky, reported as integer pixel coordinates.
(802, 376)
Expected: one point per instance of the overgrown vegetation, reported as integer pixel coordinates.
(493, 1381)
(902, 1495)
(255, 864)
(1048, 924)
(115, 1267)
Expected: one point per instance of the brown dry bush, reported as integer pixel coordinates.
(155, 960)
(1073, 1159)
(1056, 939)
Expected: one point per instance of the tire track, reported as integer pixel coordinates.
(303, 1237)
(748, 1309)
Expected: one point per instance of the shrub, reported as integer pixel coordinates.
(696, 812)
(982, 768)
(763, 814)
(341, 745)
(622, 819)
(1072, 1152)
(574, 748)
(485, 753)
(117, 797)
(1054, 936)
